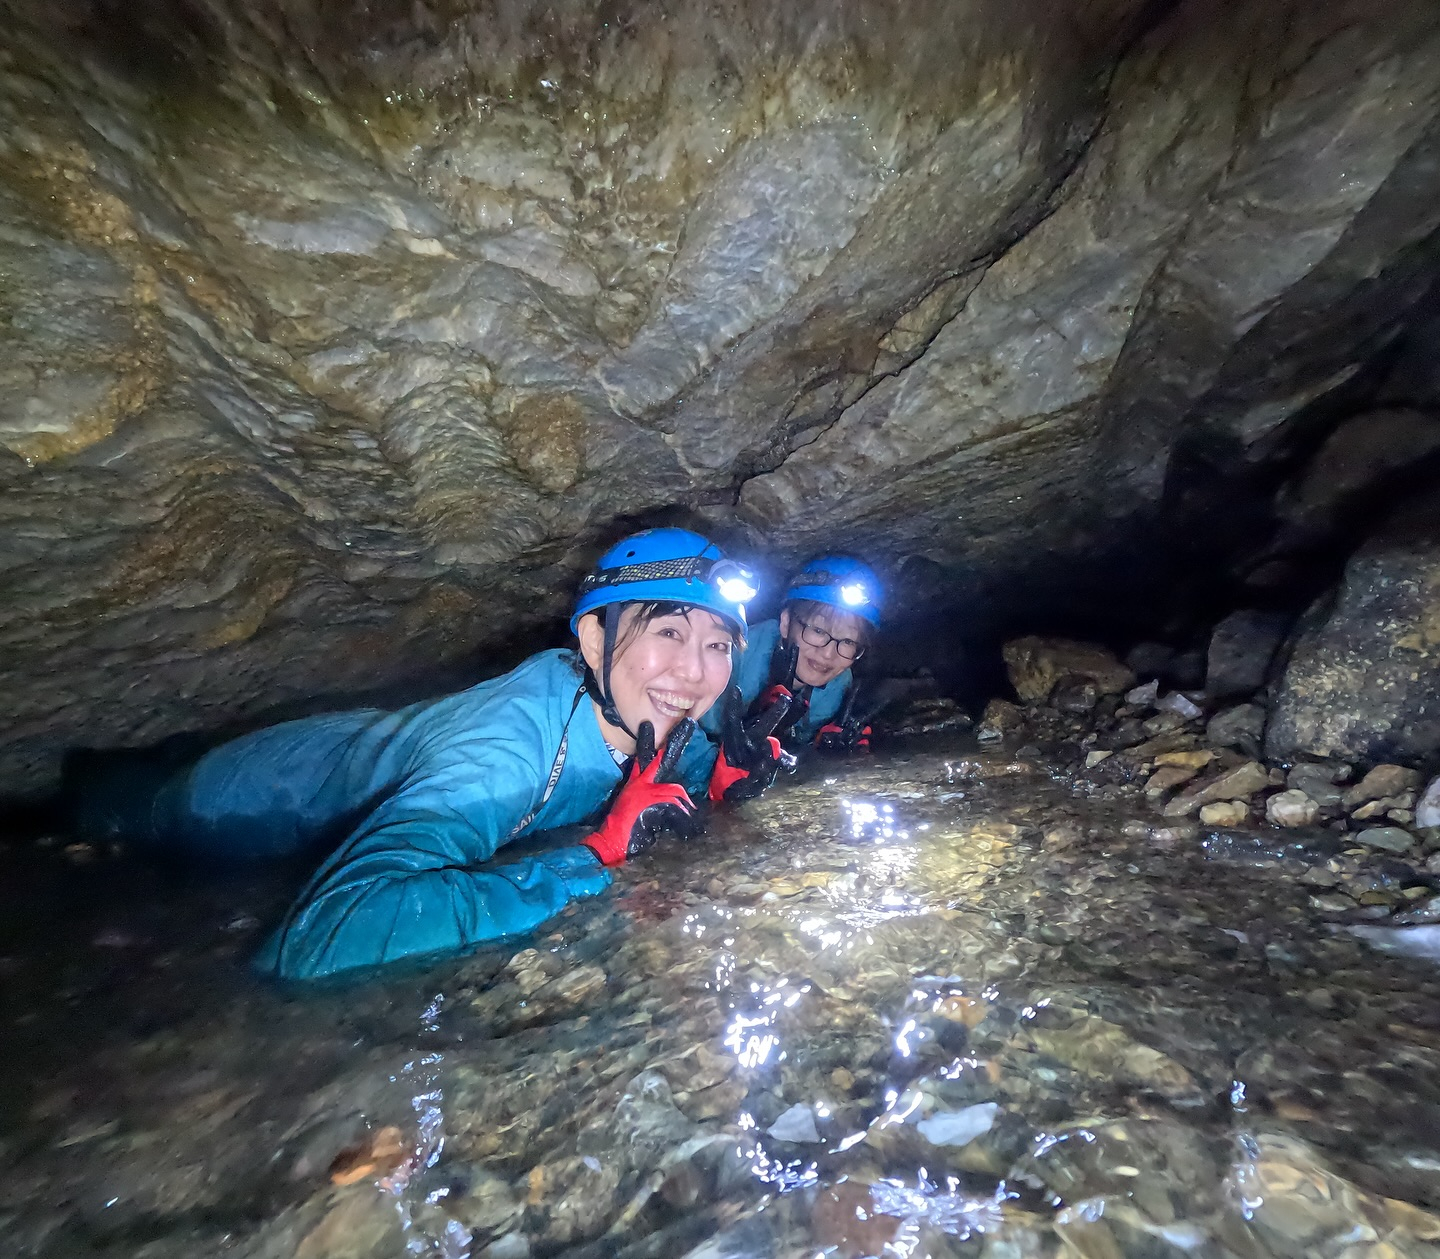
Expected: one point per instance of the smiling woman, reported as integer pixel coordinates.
(430, 793)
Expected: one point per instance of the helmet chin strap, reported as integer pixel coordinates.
(599, 689)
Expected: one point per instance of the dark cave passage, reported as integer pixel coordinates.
(1098, 916)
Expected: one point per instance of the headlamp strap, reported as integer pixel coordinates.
(607, 702)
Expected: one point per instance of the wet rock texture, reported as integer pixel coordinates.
(949, 1001)
(1362, 681)
(334, 337)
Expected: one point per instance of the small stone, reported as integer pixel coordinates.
(1167, 778)
(1427, 809)
(1402, 817)
(1382, 781)
(958, 1127)
(1292, 808)
(1224, 813)
(1190, 760)
(1239, 727)
(1058, 838)
(1245, 780)
(1332, 903)
(1136, 829)
(1179, 704)
(1144, 696)
(1163, 723)
(1320, 876)
(1317, 782)
(796, 1125)
(1378, 808)
(1390, 838)
(1074, 695)
(1000, 718)
(511, 1246)
(1174, 833)
(1092, 759)
(842, 1080)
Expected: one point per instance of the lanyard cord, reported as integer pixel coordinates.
(556, 769)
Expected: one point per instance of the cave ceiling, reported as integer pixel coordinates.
(335, 338)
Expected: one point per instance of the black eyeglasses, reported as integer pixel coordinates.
(848, 648)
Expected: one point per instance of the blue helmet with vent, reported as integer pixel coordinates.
(843, 582)
(672, 566)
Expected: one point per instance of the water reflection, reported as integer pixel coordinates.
(938, 1006)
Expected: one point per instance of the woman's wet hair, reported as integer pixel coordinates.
(809, 609)
(652, 610)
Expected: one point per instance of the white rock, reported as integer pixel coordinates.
(1427, 810)
(1144, 695)
(958, 1127)
(1422, 941)
(796, 1125)
(1178, 703)
(1291, 808)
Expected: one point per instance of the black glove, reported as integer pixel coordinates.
(845, 732)
(750, 754)
(782, 668)
(648, 802)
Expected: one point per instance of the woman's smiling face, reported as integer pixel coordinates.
(669, 668)
(816, 666)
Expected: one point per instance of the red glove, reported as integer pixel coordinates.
(750, 754)
(796, 708)
(851, 737)
(646, 805)
(845, 732)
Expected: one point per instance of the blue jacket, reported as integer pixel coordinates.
(751, 673)
(427, 794)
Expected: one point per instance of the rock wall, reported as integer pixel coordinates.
(337, 337)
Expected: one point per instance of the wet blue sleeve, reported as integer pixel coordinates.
(405, 885)
(824, 704)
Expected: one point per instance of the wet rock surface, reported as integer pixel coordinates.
(1361, 682)
(336, 338)
(960, 999)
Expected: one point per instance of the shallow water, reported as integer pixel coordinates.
(938, 1002)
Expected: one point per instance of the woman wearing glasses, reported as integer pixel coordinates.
(830, 614)
(418, 801)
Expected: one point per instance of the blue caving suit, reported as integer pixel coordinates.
(427, 794)
(751, 673)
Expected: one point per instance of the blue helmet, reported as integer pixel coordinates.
(841, 581)
(670, 565)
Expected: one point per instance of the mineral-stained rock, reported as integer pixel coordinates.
(1167, 778)
(1381, 782)
(1035, 665)
(334, 351)
(1362, 681)
(1224, 813)
(1000, 718)
(1237, 784)
(1241, 648)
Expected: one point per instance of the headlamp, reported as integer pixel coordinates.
(854, 594)
(733, 581)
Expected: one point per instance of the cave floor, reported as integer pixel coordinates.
(937, 1002)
